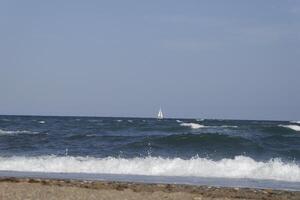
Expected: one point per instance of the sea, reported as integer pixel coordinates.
(235, 153)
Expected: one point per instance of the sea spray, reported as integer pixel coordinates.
(293, 127)
(192, 125)
(238, 167)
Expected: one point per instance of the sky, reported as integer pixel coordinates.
(196, 59)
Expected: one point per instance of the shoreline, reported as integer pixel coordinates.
(189, 180)
(45, 188)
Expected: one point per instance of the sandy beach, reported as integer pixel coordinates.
(25, 188)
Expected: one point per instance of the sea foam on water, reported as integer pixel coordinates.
(293, 127)
(238, 167)
(192, 125)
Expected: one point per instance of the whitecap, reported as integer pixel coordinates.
(16, 132)
(295, 122)
(192, 125)
(228, 126)
(238, 167)
(293, 127)
(42, 122)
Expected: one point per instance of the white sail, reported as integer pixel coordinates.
(160, 114)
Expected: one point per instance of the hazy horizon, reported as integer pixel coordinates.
(221, 60)
(154, 116)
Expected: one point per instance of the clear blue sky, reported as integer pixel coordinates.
(205, 59)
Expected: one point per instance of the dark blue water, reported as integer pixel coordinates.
(131, 137)
(250, 149)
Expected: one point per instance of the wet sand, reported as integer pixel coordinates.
(28, 188)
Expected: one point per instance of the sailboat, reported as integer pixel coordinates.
(160, 114)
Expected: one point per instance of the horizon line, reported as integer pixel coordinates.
(138, 117)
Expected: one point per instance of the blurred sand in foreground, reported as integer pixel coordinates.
(14, 189)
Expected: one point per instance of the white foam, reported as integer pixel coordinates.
(119, 120)
(42, 122)
(199, 120)
(296, 122)
(228, 126)
(293, 127)
(179, 121)
(192, 125)
(5, 132)
(239, 167)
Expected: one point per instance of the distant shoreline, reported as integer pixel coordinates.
(37, 188)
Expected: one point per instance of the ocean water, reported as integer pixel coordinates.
(197, 148)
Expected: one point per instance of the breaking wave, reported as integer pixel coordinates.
(296, 122)
(239, 167)
(228, 126)
(192, 125)
(197, 126)
(293, 127)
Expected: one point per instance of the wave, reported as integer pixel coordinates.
(228, 126)
(239, 167)
(5, 132)
(192, 125)
(196, 126)
(296, 122)
(293, 127)
(42, 122)
(89, 135)
(94, 120)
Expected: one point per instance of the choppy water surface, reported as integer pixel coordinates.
(141, 146)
